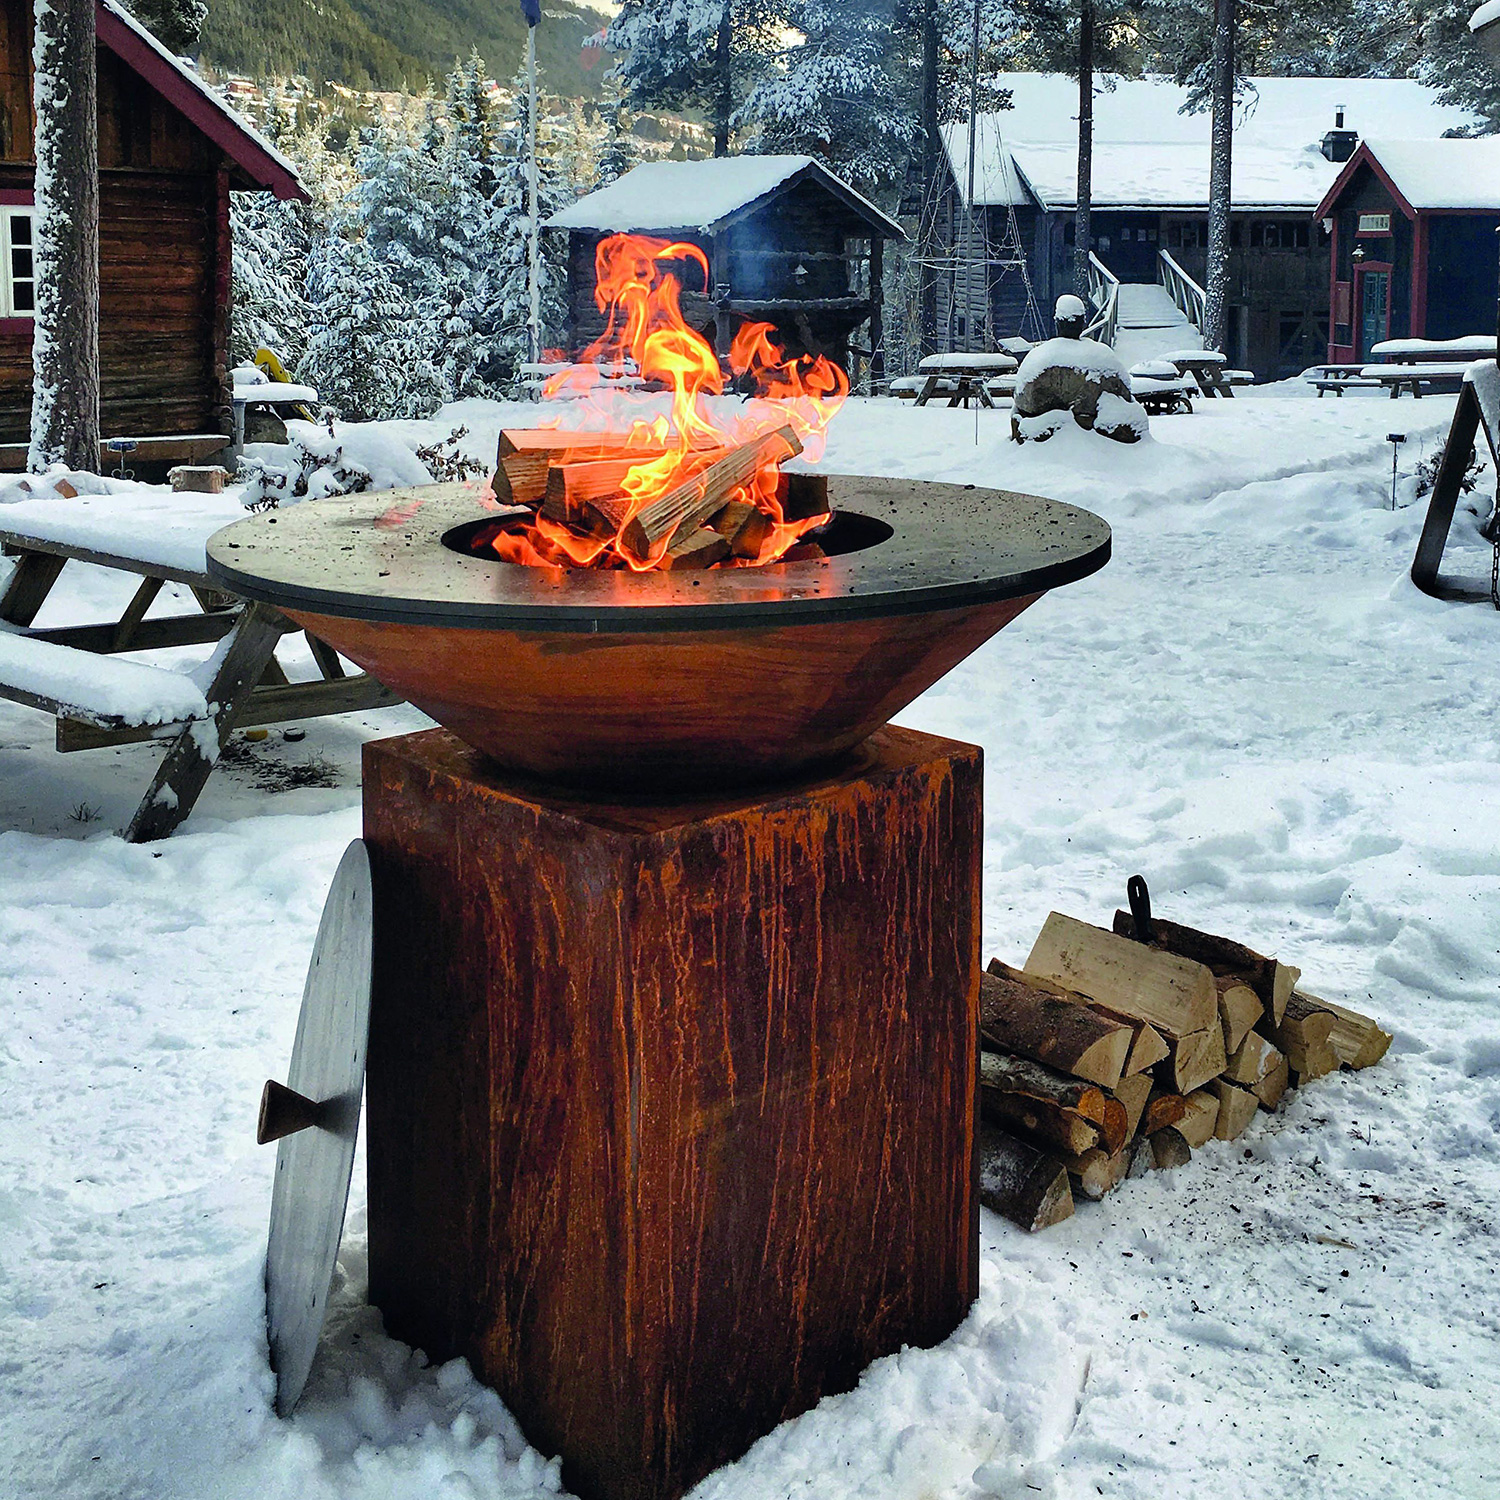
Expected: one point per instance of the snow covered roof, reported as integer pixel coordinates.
(662, 197)
(1429, 174)
(245, 146)
(1148, 154)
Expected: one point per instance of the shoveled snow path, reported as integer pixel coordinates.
(1250, 705)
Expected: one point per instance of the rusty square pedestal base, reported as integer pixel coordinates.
(671, 1105)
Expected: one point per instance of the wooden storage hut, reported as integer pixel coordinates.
(788, 243)
(170, 154)
(1413, 256)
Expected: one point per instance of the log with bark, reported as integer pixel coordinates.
(1237, 1108)
(1147, 1049)
(1061, 1112)
(1271, 981)
(1097, 1172)
(1163, 1109)
(1194, 1059)
(1031, 1017)
(1021, 1183)
(745, 527)
(1358, 1040)
(688, 505)
(1303, 1036)
(1169, 1148)
(1174, 994)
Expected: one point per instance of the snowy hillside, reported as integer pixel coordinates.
(1251, 705)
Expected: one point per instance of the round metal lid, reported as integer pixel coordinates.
(382, 557)
(315, 1117)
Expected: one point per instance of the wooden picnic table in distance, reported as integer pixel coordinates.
(100, 697)
(1206, 366)
(1442, 377)
(962, 377)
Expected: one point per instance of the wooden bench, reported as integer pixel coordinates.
(78, 674)
(1442, 377)
(1338, 379)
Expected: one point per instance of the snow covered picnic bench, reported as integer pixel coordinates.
(962, 377)
(78, 673)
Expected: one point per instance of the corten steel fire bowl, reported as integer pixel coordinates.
(662, 681)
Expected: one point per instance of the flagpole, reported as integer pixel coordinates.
(535, 247)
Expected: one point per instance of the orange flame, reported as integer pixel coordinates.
(646, 336)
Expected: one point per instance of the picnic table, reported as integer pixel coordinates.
(82, 675)
(1338, 379)
(962, 377)
(1444, 376)
(1208, 369)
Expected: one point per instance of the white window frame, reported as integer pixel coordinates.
(9, 213)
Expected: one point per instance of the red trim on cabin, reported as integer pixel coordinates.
(17, 327)
(1363, 157)
(1419, 279)
(217, 124)
(17, 198)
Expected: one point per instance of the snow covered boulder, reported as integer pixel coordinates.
(1075, 375)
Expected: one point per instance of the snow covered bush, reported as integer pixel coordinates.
(313, 471)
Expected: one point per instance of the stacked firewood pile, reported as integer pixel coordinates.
(575, 480)
(1112, 1054)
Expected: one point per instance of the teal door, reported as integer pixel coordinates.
(1374, 309)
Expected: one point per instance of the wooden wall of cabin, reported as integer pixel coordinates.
(163, 255)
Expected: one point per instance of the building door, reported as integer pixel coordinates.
(1372, 291)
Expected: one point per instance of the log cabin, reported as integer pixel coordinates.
(1413, 243)
(170, 154)
(788, 243)
(1007, 257)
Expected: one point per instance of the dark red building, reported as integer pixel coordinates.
(1413, 251)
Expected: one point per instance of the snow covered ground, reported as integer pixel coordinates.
(1250, 705)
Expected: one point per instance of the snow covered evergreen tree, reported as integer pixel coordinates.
(270, 240)
(834, 96)
(618, 152)
(701, 55)
(174, 23)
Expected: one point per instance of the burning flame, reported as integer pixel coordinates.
(645, 331)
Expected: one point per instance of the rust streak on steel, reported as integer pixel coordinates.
(671, 1104)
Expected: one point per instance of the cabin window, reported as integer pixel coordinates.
(18, 284)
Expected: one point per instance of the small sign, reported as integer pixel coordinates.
(1374, 224)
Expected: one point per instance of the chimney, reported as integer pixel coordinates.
(1338, 143)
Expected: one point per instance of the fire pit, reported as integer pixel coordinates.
(662, 680)
(674, 1015)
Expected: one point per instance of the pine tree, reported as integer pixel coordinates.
(703, 55)
(1452, 61)
(364, 350)
(174, 23)
(834, 96)
(270, 242)
(618, 152)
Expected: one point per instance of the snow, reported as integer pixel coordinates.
(1486, 15)
(1442, 174)
(1069, 306)
(277, 393)
(1032, 148)
(1001, 363)
(1071, 354)
(660, 196)
(110, 686)
(1250, 704)
(1477, 344)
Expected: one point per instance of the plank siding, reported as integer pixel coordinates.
(163, 253)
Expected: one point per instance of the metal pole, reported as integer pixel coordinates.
(535, 247)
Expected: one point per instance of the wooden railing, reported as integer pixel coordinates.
(1181, 288)
(1104, 294)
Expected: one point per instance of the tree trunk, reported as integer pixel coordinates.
(724, 71)
(1081, 219)
(932, 147)
(1217, 288)
(65, 347)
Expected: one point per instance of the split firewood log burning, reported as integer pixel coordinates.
(660, 476)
